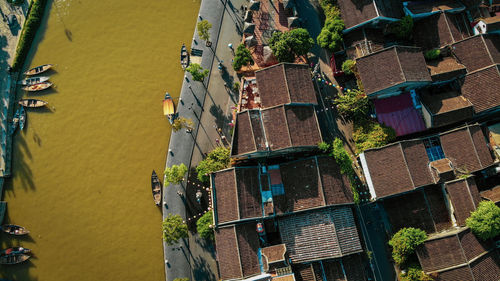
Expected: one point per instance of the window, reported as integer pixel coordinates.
(433, 148)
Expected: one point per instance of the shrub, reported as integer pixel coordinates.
(403, 28)
(174, 228)
(352, 105)
(236, 86)
(197, 72)
(329, 8)
(323, 146)
(175, 174)
(242, 57)
(204, 27)
(432, 54)
(203, 226)
(330, 36)
(182, 122)
(369, 134)
(404, 243)
(33, 21)
(415, 273)
(216, 160)
(348, 66)
(345, 163)
(485, 221)
(287, 45)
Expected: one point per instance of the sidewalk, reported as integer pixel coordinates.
(193, 257)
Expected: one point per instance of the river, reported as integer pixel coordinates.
(82, 166)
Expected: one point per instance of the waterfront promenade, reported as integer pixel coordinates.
(209, 106)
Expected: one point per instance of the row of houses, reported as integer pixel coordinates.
(285, 211)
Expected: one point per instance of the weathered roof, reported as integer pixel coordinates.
(441, 29)
(478, 51)
(355, 12)
(481, 88)
(275, 128)
(306, 183)
(447, 107)
(285, 83)
(404, 166)
(445, 68)
(491, 194)
(464, 197)
(363, 41)
(322, 234)
(392, 66)
(455, 249)
(420, 7)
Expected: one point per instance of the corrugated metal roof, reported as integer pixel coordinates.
(398, 112)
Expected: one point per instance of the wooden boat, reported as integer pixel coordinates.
(13, 258)
(14, 250)
(14, 229)
(22, 118)
(15, 121)
(39, 69)
(32, 103)
(156, 187)
(33, 80)
(168, 108)
(38, 86)
(184, 57)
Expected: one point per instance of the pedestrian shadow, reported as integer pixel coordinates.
(202, 270)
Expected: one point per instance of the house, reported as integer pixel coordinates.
(369, 13)
(487, 25)
(420, 9)
(363, 41)
(477, 52)
(283, 120)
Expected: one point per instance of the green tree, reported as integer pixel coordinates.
(485, 221)
(242, 57)
(197, 72)
(182, 122)
(203, 226)
(216, 160)
(324, 146)
(432, 54)
(204, 27)
(353, 105)
(287, 45)
(345, 163)
(181, 279)
(403, 28)
(415, 273)
(348, 66)
(369, 134)
(404, 243)
(330, 36)
(174, 228)
(175, 174)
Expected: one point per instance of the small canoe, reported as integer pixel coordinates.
(32, 103)
(184, 57)
(156, 187)
(33, 80)
(14, 229)
(22, 118)
(14, 250)
(39, 69)
(13, 259)
(37, 87)
(15, 121)
(168, 108)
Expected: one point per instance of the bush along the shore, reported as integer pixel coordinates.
(33, 21)
(197, 72)
(203, 226)
(216, 160)
(175, 174)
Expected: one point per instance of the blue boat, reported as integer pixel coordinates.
(22, 118)
(15, 122)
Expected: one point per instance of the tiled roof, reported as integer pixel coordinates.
(273, 254)
(481, 88)
(279, 127)
(404, 166)
(304, 272)
(464, 197)
(290, 277)
(491, 194)
(447, 107)
(355, 12)
(323, 234)
(419, 7)
(440, 30)
(478, 51)
(307, 183)
(285, 83)
(392, 66)
(487, 267)
(445, 68)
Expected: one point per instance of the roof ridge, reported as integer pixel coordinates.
(319, 177)
(474, 145)
(286, 83)
(287, 126)
(399, 63)
(251, 129)
(406, 164)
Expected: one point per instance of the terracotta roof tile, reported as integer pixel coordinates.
(336, 186)
(462, 199)
(481, 88)
(355, 12)
(478, 52)
(447, 107)
(243, 142)
(435, 199)
(226, 196)
(248, 245)
(249, 197)
(304, 272)
(445, 68)
(458, 147)
(440, 253)
(427, 7)
(303, 125)
(274, 253)
(440, 30)
(257, 129)
(225, 239)
(354, 270)
(417, 161)
(457, 274)
(300, 86)
(492, 194)
(483, 152)
(487, 267)
(473, 247)
(276, 128)
(333, 270)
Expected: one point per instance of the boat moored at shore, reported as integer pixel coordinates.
(168, 108)
(184, 57)
(13, 258)
(22, 118)
(32, 103)
(38, 87)
(33, 80)
(14, 229)
(39, 69)
(156, 187)
(14, 250)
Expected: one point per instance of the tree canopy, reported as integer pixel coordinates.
(369, 134)
(414, 273)
(174, 229)
(485, 220)
(330, 36)
(175, 174)
(404, 243)
(197, 72)
(403, 28)
(242, 57)
(217, 159)
(204, 27)
(287, 45)
(352, 104)
(203, 226)
(182, 122)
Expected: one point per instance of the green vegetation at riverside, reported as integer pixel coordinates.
(330, 36)
(290, 44)
(181, 279)
(402, 28)
(174, 228)
(432, 54)
(33, 21)
(175, 174)
(216, 160)
(485, 220)
(414, 273)
(242, 57)
(182, 122)
(370, 134)
(204, 27)
(203, 226)
(338, 152)
(404, 243)
(348, 67)
(197, 72)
